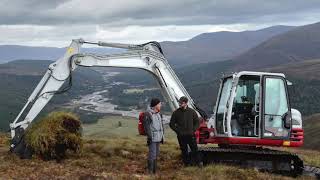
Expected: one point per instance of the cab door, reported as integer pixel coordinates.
(276, 114)
(221, 107)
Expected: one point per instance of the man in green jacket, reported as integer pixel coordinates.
(184, 121)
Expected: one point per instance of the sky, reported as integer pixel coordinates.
(56, 22)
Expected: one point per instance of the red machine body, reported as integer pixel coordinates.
(206, 135)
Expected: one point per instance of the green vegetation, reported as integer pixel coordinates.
(136, 100)
(19, 78)
(133, 91)
(51, 137)
(109, 127)
(305, 95)
(138, 90)
(312, 132)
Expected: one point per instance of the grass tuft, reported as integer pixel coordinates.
(54, 135)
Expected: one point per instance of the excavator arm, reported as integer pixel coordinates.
(148, 57)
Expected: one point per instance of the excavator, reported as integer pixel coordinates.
(252, 111)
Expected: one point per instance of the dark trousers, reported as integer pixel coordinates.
(153, 150)
(186, 141)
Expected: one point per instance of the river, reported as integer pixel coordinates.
(99, 103)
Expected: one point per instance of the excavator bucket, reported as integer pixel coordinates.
(20, 149)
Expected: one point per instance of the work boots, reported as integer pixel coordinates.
(152, 166)
(154, 170)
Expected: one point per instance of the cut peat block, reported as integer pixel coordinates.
(54, 135)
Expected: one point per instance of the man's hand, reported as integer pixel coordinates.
(149, 141)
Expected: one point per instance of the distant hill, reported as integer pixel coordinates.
(25, 67)
(308, 70)
(296, 45)
(19, 78)
(217, 46)
(206, 47)
(15, 52)
(305, 92)
(311, 132)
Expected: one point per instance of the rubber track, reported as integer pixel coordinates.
(246, 157)
(312, 170)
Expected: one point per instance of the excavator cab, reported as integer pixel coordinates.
(254, 108)
(253, 112)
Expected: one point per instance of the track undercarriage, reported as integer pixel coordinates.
(262, 159)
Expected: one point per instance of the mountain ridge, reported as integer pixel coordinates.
(205, 47)
(299, 44)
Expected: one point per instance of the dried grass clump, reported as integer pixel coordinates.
(54, 135)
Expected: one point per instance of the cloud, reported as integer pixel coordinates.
(149, 12)
(62, 35)
(56, 22)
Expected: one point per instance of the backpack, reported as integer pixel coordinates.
(141, 125)
(141, 121)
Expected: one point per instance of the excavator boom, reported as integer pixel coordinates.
(148, 57)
